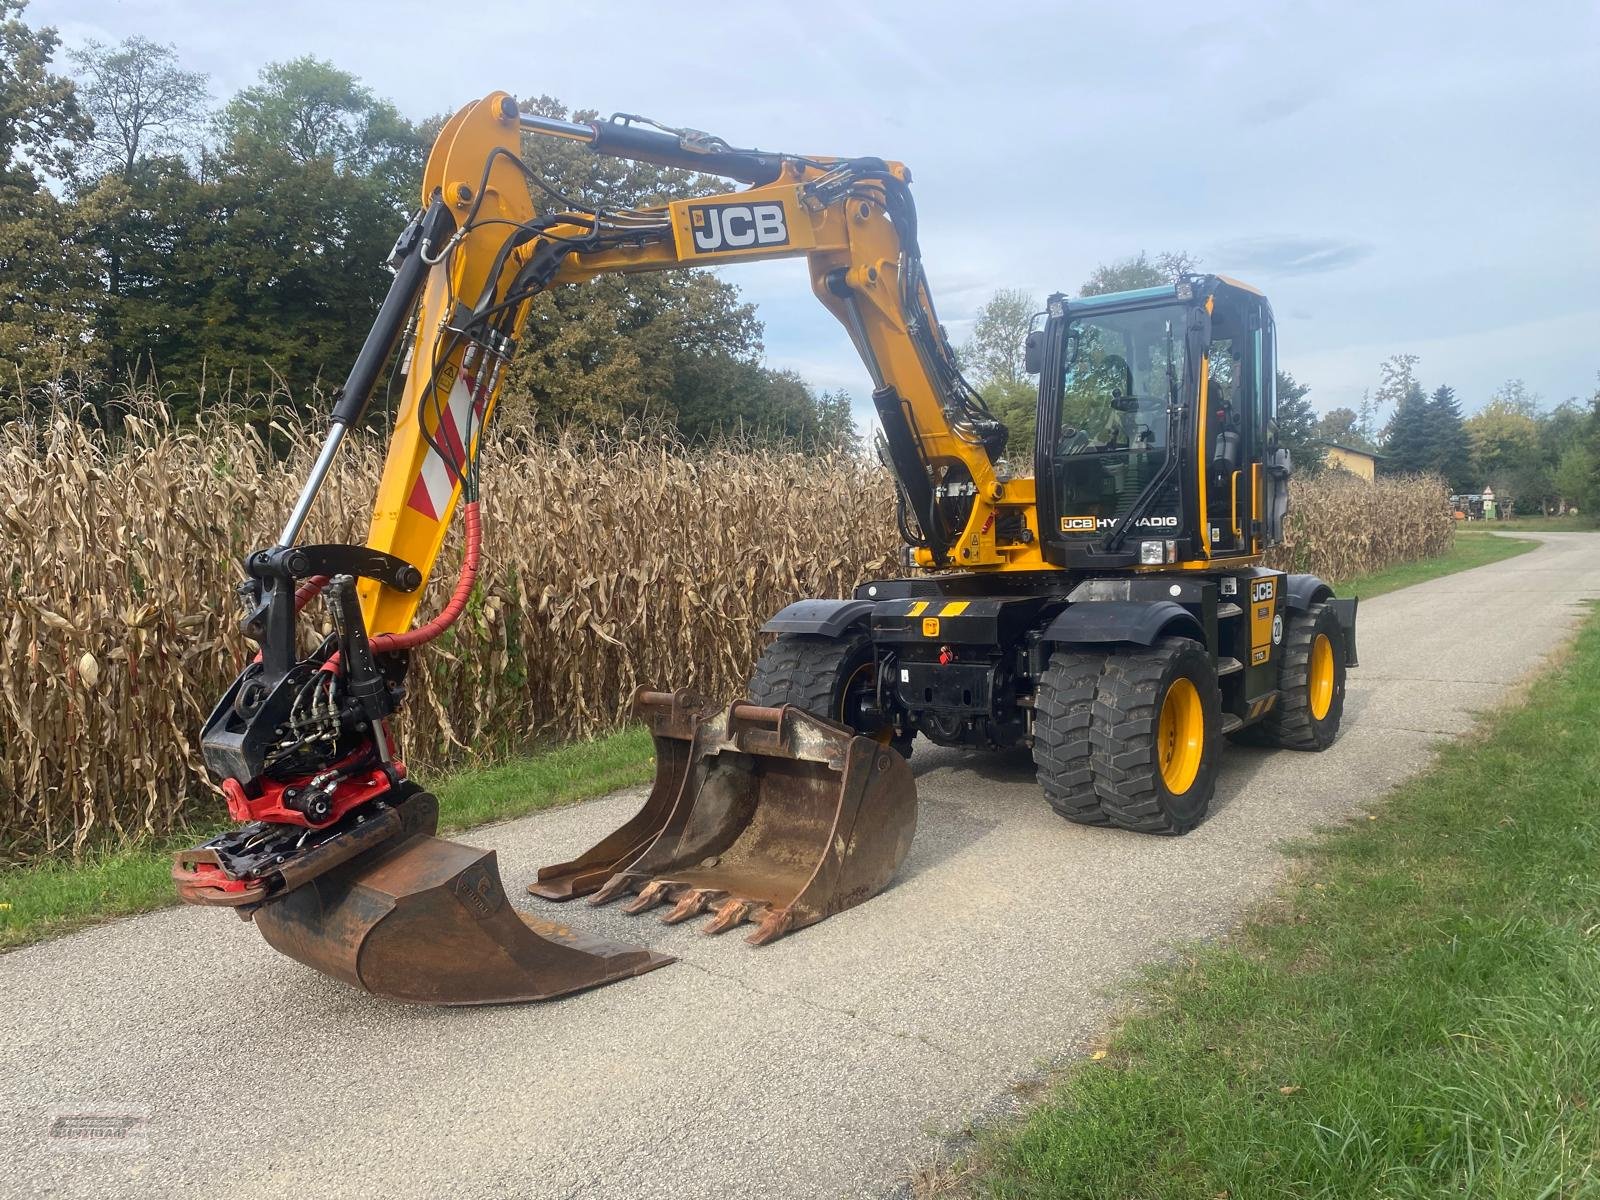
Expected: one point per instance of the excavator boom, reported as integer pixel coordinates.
(766, 815)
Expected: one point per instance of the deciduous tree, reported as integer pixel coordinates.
(47, 276)
(1138, 272)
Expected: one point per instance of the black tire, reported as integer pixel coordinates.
(818, 674)
(1127, 755)
(1062, 713)
(1292, 722)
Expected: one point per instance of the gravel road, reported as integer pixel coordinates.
(832, 1063)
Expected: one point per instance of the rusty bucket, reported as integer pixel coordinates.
(672, 719)
(776, 817)
(420, 920)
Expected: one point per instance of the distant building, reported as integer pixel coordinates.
(1359, 462)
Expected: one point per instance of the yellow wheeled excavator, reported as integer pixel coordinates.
(1112, 611)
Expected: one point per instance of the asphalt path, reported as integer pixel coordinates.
(176, 1054)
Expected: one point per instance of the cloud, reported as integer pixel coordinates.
(1291, 255)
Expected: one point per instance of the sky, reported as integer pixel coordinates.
(1417, 178)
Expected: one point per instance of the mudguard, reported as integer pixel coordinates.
(1099, 622)
(823, 618)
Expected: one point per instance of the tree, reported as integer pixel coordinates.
(1505, 446)
(47, 280)
(148, 114)
(1138, 272)
(1575, 478)
(994, 353)
(1406, 447)
(141, 102)
(41, 124)
(271, 264)
(1398, 379)
(1344, 426)
(994, 357)
(1449, 447)
(836, 422)
(1296, 424)
(316, 115)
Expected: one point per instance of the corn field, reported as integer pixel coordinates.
(607, 566)
(1340, 526)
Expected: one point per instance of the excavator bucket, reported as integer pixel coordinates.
(776, 818)
(423, 920)
(672, 719)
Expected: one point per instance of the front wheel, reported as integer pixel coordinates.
(827, 677)
(1310, 683)
(1155, 733)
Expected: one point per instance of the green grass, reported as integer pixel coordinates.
(1417, 1015)
(52, 898)
(1572, 523)
(1473, 548)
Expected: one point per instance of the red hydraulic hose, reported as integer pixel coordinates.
(309, 591)
(424, 634)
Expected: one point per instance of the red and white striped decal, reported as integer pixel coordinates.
(431, 494)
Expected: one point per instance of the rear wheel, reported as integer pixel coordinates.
(1063, 710)
(827, 677)
(1155, 737)
(1310, 682)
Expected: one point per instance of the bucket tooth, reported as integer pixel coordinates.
(692, 903)
(649, 897)
(671, 717)
(426, 921)
(773, 926)
(781, 817)
(733, 913)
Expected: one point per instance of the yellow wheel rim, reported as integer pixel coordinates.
(1180, 736)
(1320, 683)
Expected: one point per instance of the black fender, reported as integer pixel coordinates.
(1302, 591)
(823, 618)
(1345, 610)
(1137, 621)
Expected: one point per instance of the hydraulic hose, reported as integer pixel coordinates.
(423, 634)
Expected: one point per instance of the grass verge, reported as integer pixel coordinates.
(41, 901)
(1473, 548)
(1571, 523)
(1418, 1015)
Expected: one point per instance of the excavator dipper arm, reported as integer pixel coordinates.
(771, 815)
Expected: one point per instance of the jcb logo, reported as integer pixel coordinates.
(1078, 524)
(1264, 589)
(737, 226)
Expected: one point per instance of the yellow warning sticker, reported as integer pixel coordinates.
(917, 609)
(930, 626)
(954, 609)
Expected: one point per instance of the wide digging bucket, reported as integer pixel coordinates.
(426, 921)
(672, 718)
(782, 820)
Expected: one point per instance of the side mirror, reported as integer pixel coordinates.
(1033, 352)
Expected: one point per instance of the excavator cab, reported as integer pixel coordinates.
(1155, 426)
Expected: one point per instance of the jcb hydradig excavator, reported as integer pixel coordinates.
(1112, 611)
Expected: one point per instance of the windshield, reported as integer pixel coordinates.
(1122, 372)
